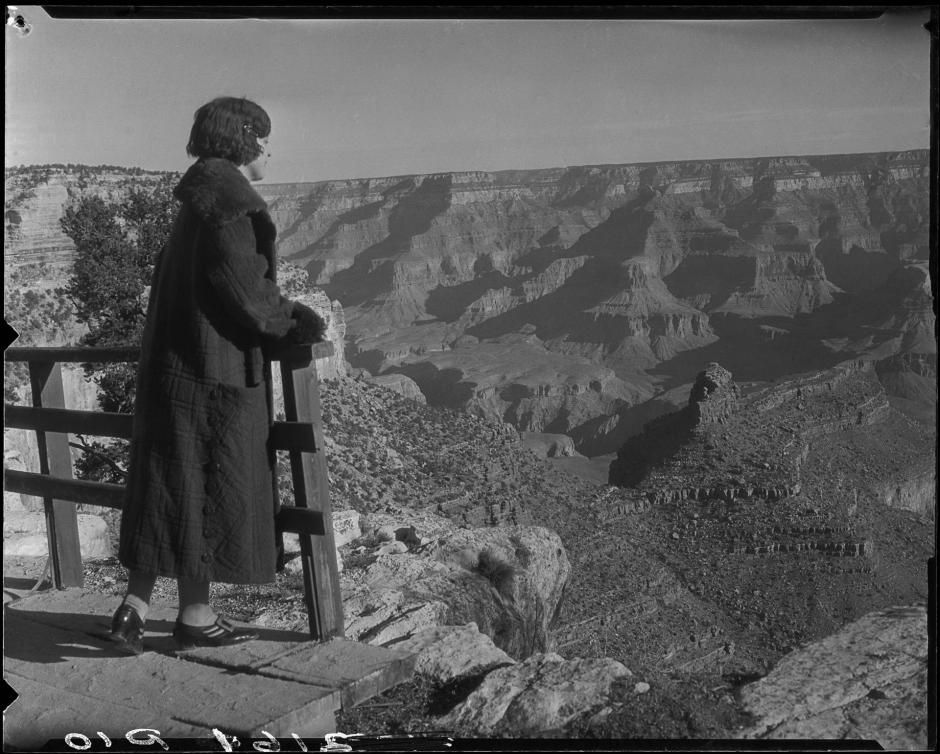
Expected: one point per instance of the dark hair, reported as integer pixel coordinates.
(229, 127)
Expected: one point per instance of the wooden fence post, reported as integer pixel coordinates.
(311, 490)
(55, 458)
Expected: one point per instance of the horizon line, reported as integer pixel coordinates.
(500, 170)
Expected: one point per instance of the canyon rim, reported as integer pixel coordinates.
(582, 301)
(744, 349)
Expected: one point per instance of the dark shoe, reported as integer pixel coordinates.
(219, 634)
(127, 630)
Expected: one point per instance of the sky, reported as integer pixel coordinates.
(368, 98)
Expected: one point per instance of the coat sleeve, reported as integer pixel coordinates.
(237, 275)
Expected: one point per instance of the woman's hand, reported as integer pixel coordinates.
(309, 327)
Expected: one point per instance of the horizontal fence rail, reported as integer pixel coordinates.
(95, 423)
(290, 518)
(118, 354)
(81, 491)
(284, 435)
(300, 434)
(72, 354)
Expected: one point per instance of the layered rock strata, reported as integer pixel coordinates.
(606, 275)
(725, 446)
(624, 266)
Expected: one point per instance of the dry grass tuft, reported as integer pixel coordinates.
(497, 570)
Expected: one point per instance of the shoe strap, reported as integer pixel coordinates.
(214, 630)
(224, 623)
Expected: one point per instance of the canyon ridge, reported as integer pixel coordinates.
(755, 339)
(581, 301)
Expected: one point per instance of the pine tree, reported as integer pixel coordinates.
(116, 244)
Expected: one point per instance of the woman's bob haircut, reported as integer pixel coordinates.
(229, 127)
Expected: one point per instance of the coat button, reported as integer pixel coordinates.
(207, 534)
(206, 510)
(207, 557)
(213, 394)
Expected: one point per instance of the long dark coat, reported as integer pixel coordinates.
(200, 499)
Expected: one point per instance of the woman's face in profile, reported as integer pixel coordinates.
(256, 169)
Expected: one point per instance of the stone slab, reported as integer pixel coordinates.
(42, 713)
(50, 605)
(246, 657)
(282, 682)
(166, 686)
(358, 671)
(90, 613)
(447, 654)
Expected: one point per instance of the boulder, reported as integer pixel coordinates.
(392, 547)
(866, 681)
(523, 599)
(402, 384)
(93, 536)
(381, 526)
(345, 530)
(507, 580)
(26, 546)
(346, 527)
(548, 445)
(24, 535)
(448, 654)
(542, 696)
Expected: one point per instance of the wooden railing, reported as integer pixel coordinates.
(301, 434)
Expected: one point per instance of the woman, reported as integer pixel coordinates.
(200, 499)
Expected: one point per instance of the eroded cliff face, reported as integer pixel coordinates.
(726, 444)
(515, 294)
(36, 197)
(571, 300)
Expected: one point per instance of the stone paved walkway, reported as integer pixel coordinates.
(70, 680)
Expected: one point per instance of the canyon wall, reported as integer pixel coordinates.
(575, 300)
(561, 299)
(35, 198)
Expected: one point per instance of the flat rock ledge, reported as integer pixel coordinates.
(540, 697)
(449, 654)
(867, 681)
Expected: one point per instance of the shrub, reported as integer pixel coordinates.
(497, 570)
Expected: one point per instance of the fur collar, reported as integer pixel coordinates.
(217, 191)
